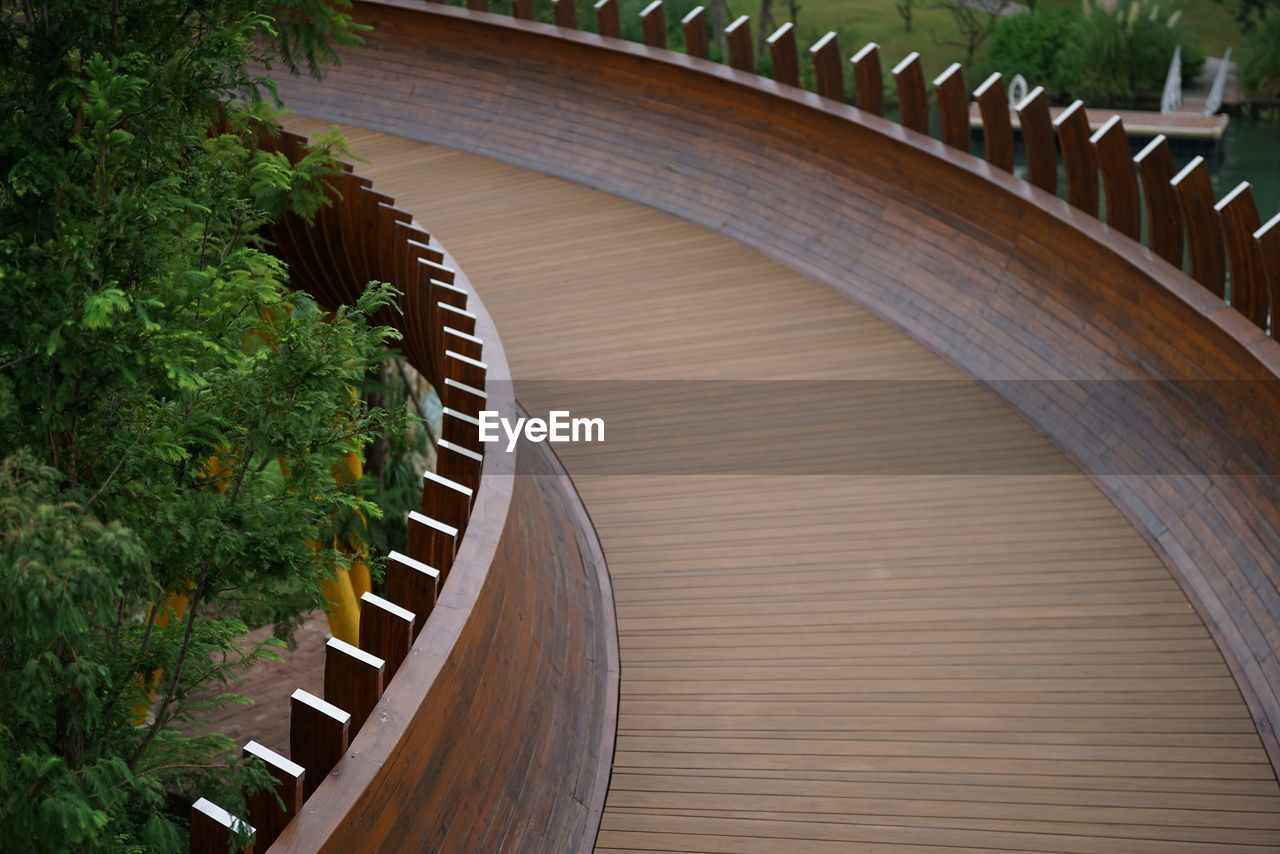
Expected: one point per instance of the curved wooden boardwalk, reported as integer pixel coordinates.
(841, 663)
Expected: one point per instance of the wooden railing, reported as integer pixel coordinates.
(1222, 244)
(414, 735)
(361, 236)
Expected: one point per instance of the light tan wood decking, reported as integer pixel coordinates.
(841, 663)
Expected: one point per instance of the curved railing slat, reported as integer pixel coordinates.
(867, 79)
(782, 51)
(1250, 293)
(1203, 228)
(953, 107)
(997, 129)
(694, 26)
(738, 41)
(1078, 159)
(1119, 181)
(1039, 140)
(1164, 214)
(828, 67)
(913, 102)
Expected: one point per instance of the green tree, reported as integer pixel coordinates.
(1259, 56)
(170, 409)
(1260, 59)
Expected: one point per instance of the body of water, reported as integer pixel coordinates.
(1249, 152)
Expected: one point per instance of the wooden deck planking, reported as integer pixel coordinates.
(976, 643)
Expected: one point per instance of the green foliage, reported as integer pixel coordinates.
(170, 410)
(1106, 57)
(1030, 45)
(1260, 59)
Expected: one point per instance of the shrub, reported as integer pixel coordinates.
(1117, 54)
(1105, 57)
(1030, 45)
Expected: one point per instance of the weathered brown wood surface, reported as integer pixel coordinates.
(847, 663)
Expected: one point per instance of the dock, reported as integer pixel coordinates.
(1144, 124)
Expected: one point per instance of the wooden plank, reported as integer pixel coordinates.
(1249, 290)
(694, 25)
(653, 21)
(608, 23)
(522, 9)
(1078, 158)
(318, 737)
(462, 397)
(565, 14)
(828, 68)
(1203, 227)
(386, 632)
(265, 812)
(213, 828)
(913, 101)
(458, 463)
(1164, 217)
(455, 318)
(782, 50)
(446, 500)
(868, 81)
(353, 680)
(1268, 241)
(461, 430)
(953, 106)
(738, 40)
(462, 343)
(997, 129)
(432, 542)
(464, 369)
(1119, 180)
(1038, 140)
(414, 586)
